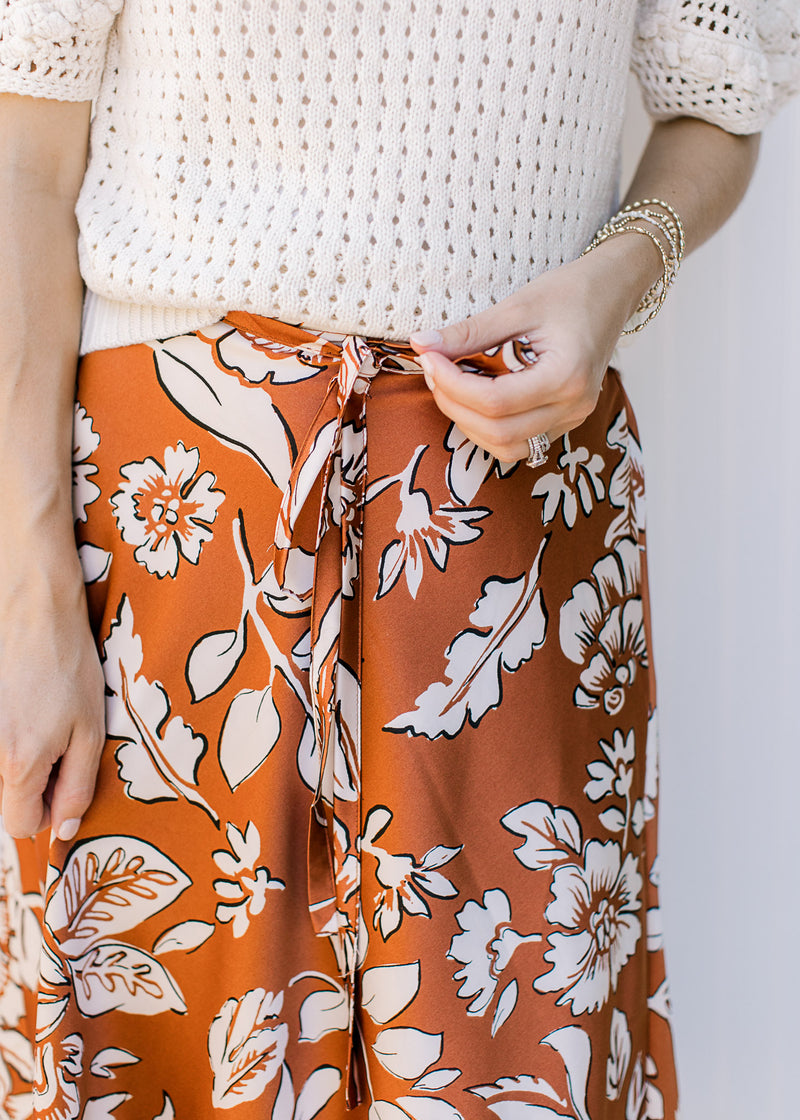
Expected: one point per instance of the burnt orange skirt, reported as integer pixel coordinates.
(375, 827)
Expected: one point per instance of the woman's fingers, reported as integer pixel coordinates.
(25, 777)
(499, 414)
(511, 394)
(37, 793)
(74, 785)
(478, 332)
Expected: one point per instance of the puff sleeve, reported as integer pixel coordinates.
(730, 62)
(54, 48)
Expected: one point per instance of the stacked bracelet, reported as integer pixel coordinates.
(670, 243)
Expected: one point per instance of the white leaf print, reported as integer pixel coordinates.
(185, 937)
(509, 624)
(110, 884)
(469, 466)
(49, 1014)
(407, 1052)
(626, 488)
(655, 931)
(168, 1111)
(613, 819)
(159, 756)
(95, 563)
(523, 1110)
(117, 977)
(99, 1108)
(573, 1044)
(283, 1108)
(293, 596)
(212, 661)
(551, 834)
(251, 729)
(301, 652)
(439, 856)
(437, 1079)
(429, 1108)
(645, 1101)
(388, 989)
(317, 1091)
(238, 415)
(385, 1110)
(619, 1054)
(16, 1049)
(524, 1083)
(659, 1001)
(105, 1061)
(245, 1054)
(505, 1005)
(310, 470)
(578, 478)
(323, 1012)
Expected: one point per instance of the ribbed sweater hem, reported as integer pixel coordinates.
(108, 324)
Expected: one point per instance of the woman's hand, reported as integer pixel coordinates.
(574, 314)
(51, 686)
(51, 694)
(572, 317)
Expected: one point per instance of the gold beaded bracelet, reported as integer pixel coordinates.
(670, 245)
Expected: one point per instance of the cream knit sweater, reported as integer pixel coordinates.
(365, 166)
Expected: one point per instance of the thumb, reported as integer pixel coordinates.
(472, 335)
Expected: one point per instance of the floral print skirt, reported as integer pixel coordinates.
(375, 827)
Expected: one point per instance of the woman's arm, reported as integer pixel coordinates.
(574, 314)
(51, 686)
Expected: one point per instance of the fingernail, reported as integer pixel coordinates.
(426, 338)
(68, 828)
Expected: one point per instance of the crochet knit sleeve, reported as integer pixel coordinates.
(54, 48)
(730, 62)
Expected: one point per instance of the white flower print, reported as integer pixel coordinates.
(165, 511)
(421, 530)
(245, 886)
(576, 480)
(484, 948)
(404, 880)
(604, 622)
(613, 777)
(645, 1101)
(598, 903)
(85, 441)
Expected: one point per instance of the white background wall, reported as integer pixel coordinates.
(715, 381)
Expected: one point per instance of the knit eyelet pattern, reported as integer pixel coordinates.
(365, 166)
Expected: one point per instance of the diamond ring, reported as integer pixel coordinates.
(538, 446)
